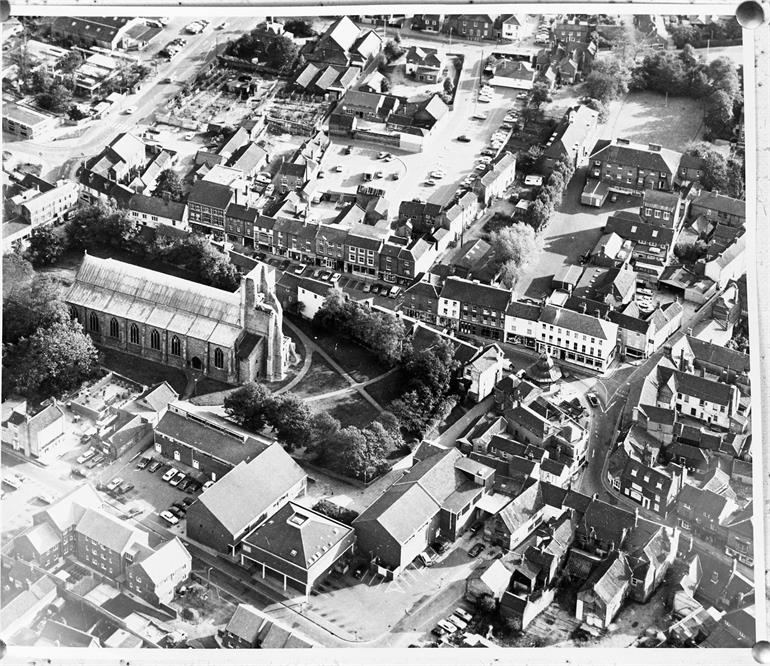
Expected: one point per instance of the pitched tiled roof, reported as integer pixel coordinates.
(108, 531)
(141, 203)
(265, 479)
(637, 155)
(482, 295)
(246, 623)
(576, 321)
(714, 354)
(610, 578)
(638, 231)
(721, 203)
(401, 511)
(209, 194)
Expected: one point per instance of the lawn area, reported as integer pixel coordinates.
(350, 409)
(143, 371)
(646, 117)
(320, 378)
(388, 388)
(354, 359)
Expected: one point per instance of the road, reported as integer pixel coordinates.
(153, 95)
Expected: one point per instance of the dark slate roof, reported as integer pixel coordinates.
(523, 310)
(708, 352)
(661, 199)
(141, 203)
(609, 578)
(483, 295)
(574, 321)
(240, 212)
(721, 203)
(638, 231)
(637, 155)
(209, 194)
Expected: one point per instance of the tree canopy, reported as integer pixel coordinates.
(45, 246)
(100, 225)
(169, 183)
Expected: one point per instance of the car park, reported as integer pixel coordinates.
(112, 485)
(169, 517)
(170, 473)
(476, 550)
(457, 622)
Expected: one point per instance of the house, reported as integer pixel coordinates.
(437, 497)
(516, 74)
(206, 205)
(728, 265)
(697, 397)
(154, 576)
(311, 294)
(521, 323)
(240, 221)
(484, 371)
(269, 480)
(740, 535)
(615, 287)
(632, 168)
(249, 628)
(717, 207)
(249, 158)
(51, 206)
(494, 183)
(573, 31)
(491, 579)
(424, 64)
(603, 593)
(704, 513)
(640, 338)
(509, 26)
(35, 434)
(24, 608)
(428, 22)
(27, 123)
(662, 208)
(470, 26)
(106, 32)
(518, 519)
(473, 308)
(694, 353)
(652, 244)
(420, 301)
(332, 80)
(343, 44)
(401, 259)
(298, 546)
(571, 140)
(576, 337)
(154, 211)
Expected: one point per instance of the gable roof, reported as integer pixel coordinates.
(213, 195)
(714, 354)
(610, 578)
(246, 623)
(107, 530)
(577, 321)
(66, 512)
(721, 203)
(148, 205)
(482, 295)
(621, 151)
(401, 511)
(165, 559)
(265, 479)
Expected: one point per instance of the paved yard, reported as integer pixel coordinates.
(573, 230)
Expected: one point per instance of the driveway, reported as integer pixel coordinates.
(573, 230)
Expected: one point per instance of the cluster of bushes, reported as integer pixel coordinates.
(719, 173)
(336, 512)
(721, 29)
(45, 351)
(514, 246)
(278, 51)
(690, 252)
(379, 332)
(356, 452)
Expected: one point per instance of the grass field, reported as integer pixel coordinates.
(350, 409)
(646, 117)
(320, 378)
(142, 371)
(388, 388)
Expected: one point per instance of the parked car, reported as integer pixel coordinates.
(126, 488)
(425, 558)
(86, 456)
(77, 471)
(112, 485)
(476, 527)
(592, 399)
(335, 277)
(176, 512)
(170, 473)
(359, 571)
(299, 270)
(438, 631)
(154, 466)
(169, 517)
(441, 546)
(476, 550)
(463, 138)
(208, 485)
(187, 501)
(447, 626)
(457, 622)
(129, 110)
(143, 462)
(325, 275)
(95, 461)
(464, 614)
(180, 476)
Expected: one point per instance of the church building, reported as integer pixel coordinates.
(233, 337)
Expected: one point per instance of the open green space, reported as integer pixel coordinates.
(143, 371)
(387, 389)
(320, 378)
(350, 409)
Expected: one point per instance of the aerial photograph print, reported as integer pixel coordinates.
(376, 331)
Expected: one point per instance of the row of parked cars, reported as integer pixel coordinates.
(177, 510)
(457, 621)
(173, 476)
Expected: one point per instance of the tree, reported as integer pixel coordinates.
(74, 113)
(713, 167)
(291, 419)
(197, 255)
(608, 80)
(31, 302)
(598, 106)
(449, 87)
(723, 75)
(690, 252)
(392, 50)
(57, 99)
(323, 427)
(169, 182)
(538, 214)
(69, 62)
(719, 115)
(517, 243)
(683, 34)
(486, 604)
(510, 272)
(99, 225)
(540, 94)
(413, 409)
(249, 406)
(45, 247)
(358, 453)
(281, 53)
(433, 367)
(53, 360)
(298, 28)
